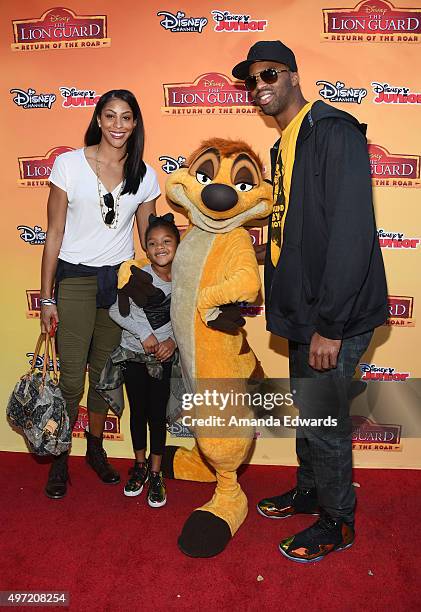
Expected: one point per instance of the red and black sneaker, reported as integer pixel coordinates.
(315, 542)
(296, 501)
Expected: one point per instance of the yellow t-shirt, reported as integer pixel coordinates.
(282, 184)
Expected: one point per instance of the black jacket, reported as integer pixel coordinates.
(330, 276)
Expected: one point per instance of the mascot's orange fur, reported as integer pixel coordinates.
(215, 267)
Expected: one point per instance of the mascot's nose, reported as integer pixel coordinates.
(219, 197)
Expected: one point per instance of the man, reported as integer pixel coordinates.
(325, 288)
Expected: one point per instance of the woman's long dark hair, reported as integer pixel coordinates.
(134, 166)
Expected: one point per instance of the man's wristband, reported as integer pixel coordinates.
(47, 302)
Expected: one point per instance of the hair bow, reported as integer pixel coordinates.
(169, 217)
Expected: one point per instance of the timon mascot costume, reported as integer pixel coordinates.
(221, 189)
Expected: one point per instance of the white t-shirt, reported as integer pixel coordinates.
(87, 239)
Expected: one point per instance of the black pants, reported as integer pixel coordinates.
(148, 399)
(325, 452)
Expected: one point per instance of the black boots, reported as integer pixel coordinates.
(56, 486)
(96, 457)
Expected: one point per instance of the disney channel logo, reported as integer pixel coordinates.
(32, 235)
(39, 362)
(171, 164)
(339, 93)
(229, 22)
(180, 23)
(30, 99)
(177, 430)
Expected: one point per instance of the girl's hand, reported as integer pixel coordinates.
(48, 314)
(165, 350)
(150, 344)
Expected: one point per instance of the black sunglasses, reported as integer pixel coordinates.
(268, 75)
(109, 203)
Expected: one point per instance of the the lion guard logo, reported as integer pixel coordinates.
(368, 435)
(210, 93)
(372, 21)
(35, 170)
(393, 169)
(33, 297)
(400, 311)
(112, 429)
(60, 28)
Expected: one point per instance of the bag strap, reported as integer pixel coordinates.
(54, 358)
(50, 348)
(46, 357)
(40, 342)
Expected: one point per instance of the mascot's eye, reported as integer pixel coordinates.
(203, 178)
(244, 187)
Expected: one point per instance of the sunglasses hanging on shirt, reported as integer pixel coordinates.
(109, 203)
(109, 208)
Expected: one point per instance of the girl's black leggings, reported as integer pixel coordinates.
(148, 399)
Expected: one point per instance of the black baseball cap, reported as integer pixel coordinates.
(265, 51)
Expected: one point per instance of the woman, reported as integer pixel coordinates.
(96, 192)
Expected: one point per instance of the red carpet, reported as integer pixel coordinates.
(115, 553)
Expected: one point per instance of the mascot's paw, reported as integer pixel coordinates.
(140, 289)
(229, 319)
(204, 535)
(167, 463)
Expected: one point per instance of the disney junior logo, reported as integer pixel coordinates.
(370, 371)
(180, 23)
(171, 164)
(397, 240)
(393, 94)
(229, 22)
(78, 98)
(339, 93)
(30, 99)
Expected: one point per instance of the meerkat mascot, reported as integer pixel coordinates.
(214, 268)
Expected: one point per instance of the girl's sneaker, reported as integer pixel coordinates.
(139, 475)
(157, 495)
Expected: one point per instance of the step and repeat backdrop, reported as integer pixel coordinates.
(177, 59)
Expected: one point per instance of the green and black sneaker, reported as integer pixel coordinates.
(139, 475)
(157, 495)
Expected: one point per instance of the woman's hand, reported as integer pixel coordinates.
(48, 314)
(165, 350)
(150, 344)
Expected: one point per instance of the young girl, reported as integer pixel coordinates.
(148, 331)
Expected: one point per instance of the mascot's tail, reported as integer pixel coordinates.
(185, 464)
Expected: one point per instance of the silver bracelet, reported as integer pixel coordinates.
(47, 302)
